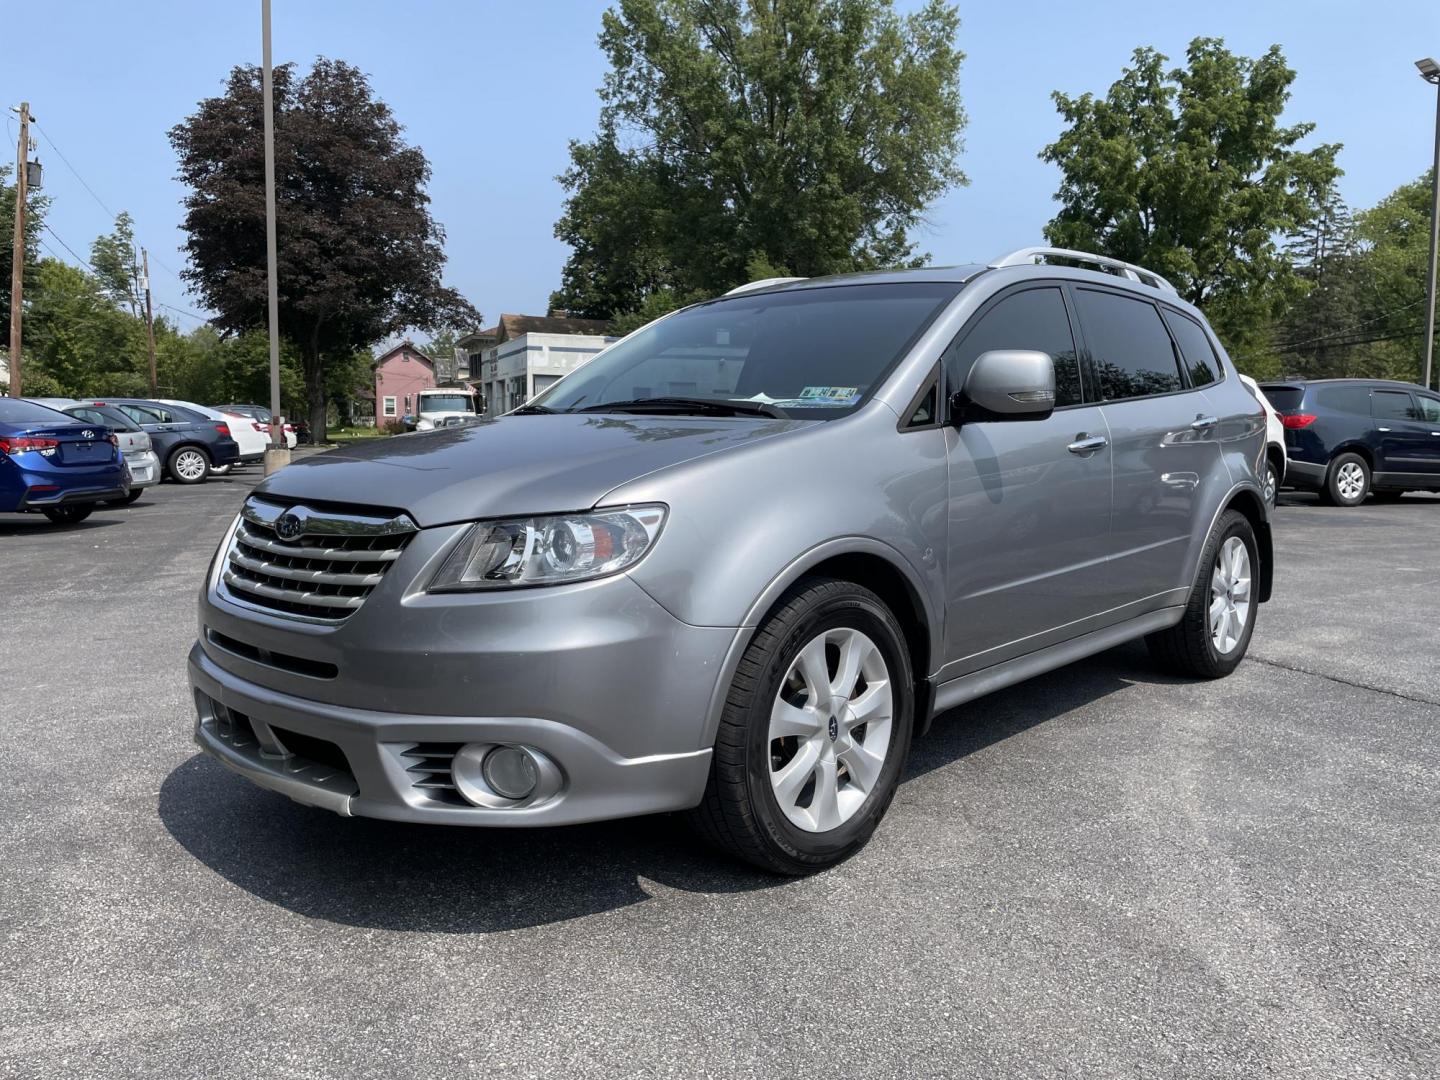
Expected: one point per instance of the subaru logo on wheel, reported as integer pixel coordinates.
(289, 525)
(834, 728)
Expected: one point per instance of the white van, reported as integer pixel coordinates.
(441, 404)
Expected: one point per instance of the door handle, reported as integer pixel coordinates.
(1088, 444)
(1382, 429)
(1204, 423)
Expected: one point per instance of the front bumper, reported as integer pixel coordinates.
(251, 730)
(144, 468)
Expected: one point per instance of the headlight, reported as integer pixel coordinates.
(549, 550)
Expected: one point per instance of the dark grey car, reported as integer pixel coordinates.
(737, 561)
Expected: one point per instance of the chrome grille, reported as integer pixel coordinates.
(307, 563)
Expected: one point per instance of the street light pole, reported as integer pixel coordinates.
(1430, 72)
(17, 267)
(277, 456)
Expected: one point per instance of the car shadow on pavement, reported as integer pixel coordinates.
(35, 524)
(439, 879)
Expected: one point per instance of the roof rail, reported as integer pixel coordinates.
(763, 283)
(1030, 255)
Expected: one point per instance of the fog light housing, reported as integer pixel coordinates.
(504, 776)
(510, 771)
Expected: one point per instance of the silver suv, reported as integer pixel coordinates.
(733, 564)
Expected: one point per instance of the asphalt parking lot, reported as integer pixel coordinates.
(1102, 873)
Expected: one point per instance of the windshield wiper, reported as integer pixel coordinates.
(532, 410)
(682, 405)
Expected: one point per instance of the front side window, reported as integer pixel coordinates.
(1033, 319)
(1195, 348)
(1429, 409)
(388, 406)
(1393, 405)
(815, 353)
(1129, 345)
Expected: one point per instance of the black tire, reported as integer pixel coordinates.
(69, 514)
(181, 458)
(1345, 466)
(1270, 483)
(1188, 647)
(126, 499)
(740, 812)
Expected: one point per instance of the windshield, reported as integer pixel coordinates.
(815, 353)
(446, 403)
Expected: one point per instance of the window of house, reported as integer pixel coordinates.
(1032, 319)
(1195, 348)
(1129, 345)
(389, 406)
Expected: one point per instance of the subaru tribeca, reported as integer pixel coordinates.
(734, 563)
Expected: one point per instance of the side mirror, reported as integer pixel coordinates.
(1006, 384)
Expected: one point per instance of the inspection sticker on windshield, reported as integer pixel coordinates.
(829, 395)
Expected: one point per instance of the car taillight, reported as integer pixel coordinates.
(18, 444)
(1298, 420)
(224, 430)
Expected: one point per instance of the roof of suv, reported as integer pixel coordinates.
(1345, 382)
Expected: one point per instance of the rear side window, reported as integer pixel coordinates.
(1196, 351)
(1129, 345)
(1032, 319)
(1354, 400)
(1394, 405)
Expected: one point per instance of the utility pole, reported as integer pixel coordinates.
(149, 318)
(1430, 72)
(278, 455)
(17, 266)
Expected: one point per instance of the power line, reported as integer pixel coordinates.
(1351, 329)
(83, 262)
(72, 168)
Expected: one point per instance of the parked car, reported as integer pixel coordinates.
(263, 416)
(187, 443)
(250, 435)
(733, 563)
(135, 446)
(55, 465)
(59, 404)
(1273, 475)
(1349, 438)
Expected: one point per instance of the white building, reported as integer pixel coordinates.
(521, 355)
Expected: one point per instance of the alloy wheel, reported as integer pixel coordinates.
(830, 729)
(190, 465)
(1229, 595)
(1270, 487)
(1350, 481)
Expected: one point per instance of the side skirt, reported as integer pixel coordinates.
(987, 680)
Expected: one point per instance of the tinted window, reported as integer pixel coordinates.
(1354, 400)
(1429, 409)
(815, 353)
(1033, 319)
(143, 415)
(1195, 348)
(923, 414)
(1393, 405)
(1129, 345)
(15, 411)
(1288, 398)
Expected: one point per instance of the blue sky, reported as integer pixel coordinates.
(493, 91)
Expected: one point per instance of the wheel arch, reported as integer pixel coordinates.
(1252, 505)
(1353, 447)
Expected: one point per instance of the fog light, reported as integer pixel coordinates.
(510, 771)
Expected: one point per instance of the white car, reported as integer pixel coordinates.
(1276, 461)
(252, 436)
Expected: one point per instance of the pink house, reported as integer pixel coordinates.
(400, 375)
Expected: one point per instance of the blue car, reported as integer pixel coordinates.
(52, 463)
(1350, 438)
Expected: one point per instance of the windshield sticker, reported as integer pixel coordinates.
(828, 395)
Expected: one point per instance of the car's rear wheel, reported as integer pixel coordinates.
(814, 734)
(1348, 480)
(188, 465)
(1210, 639)
(1270, 483)
(70, 514)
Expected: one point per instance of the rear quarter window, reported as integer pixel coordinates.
(1287, 398)
(1196, 351)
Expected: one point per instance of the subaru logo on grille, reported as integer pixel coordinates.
(87, 434)
(291, 524)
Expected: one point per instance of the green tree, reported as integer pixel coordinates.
(1396, 235)
(77, 337)
(360, 257)
(1191, 173)
(35, 207)
(114, 261)
(810, 133)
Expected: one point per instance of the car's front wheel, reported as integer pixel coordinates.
(188, 465)
(814, 734)
(1348, 481)
(69, 514)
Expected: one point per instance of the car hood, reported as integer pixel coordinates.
(514, 465)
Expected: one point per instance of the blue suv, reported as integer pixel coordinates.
(52, 463)
(1349, 438)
